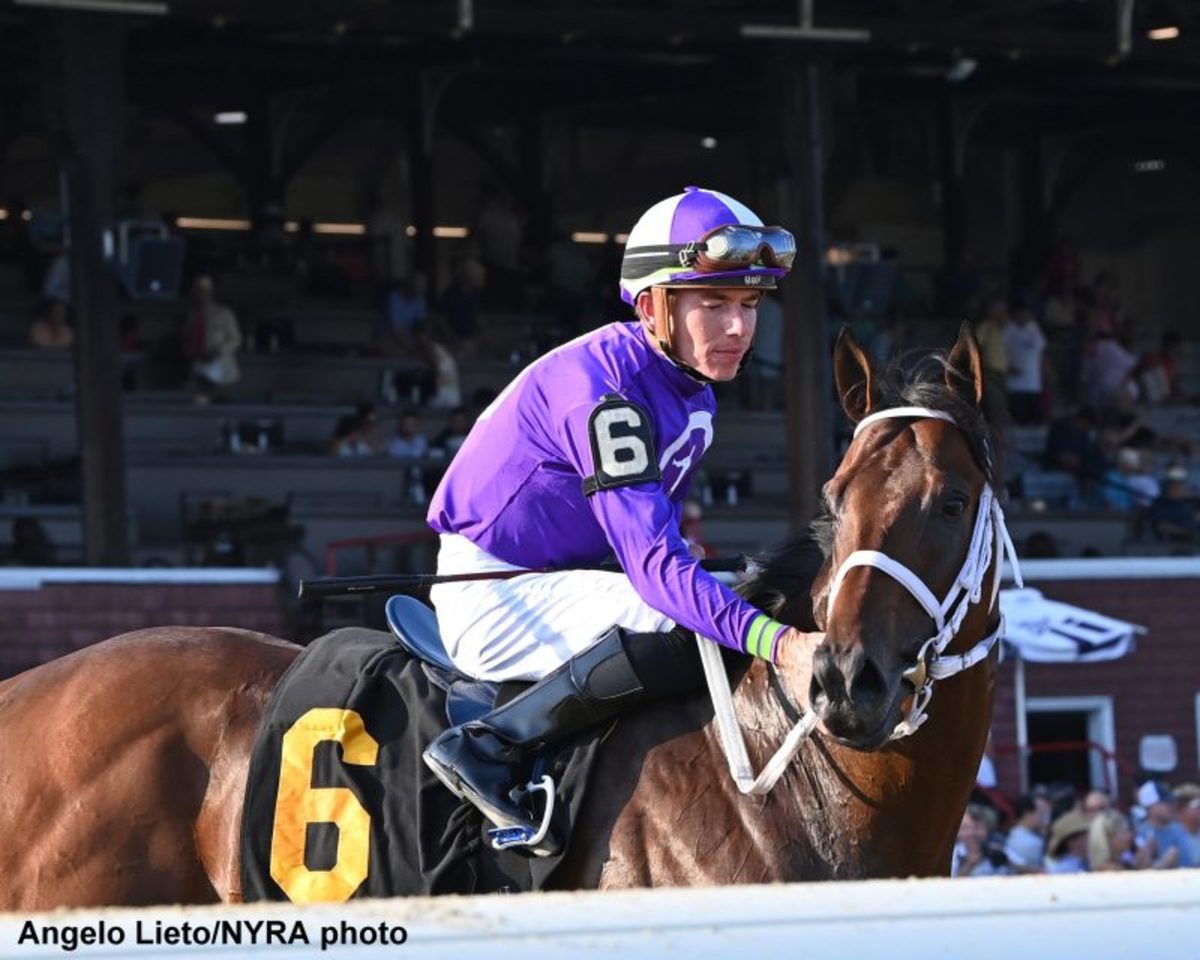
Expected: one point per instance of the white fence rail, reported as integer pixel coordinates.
(1106, 915)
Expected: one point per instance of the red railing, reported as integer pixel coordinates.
(1069, 746)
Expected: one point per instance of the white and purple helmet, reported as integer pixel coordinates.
(662, 247)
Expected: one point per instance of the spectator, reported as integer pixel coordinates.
(1071, 447)
(1108, 370)
(1024, 345)
(990, 334)
(355, 434)
(389, 252)
(1158, 373)
(1040, 545)
(1124, 425)
(972, 857)
(50, 330)
(31, 544)
(1106, 303)
(498, 229)
(461, 302)
(1061, 273)
(56, 284)
(1070, 444)
(1130, 486)
(447, 393)
(409, 442)
(1026, 844)
(1188, 795)
(457, 427)
(213, 339)
(1175, 514)
(1096, 802)
(1068, 844)
(1061, 798)
(1172, 846)
(1059, 313)
(405, 309)
(1110, 841)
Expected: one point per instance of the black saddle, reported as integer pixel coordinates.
(415, 627)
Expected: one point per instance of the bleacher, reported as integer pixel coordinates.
(304, 367)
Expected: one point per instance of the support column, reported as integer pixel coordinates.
(262, 174)
(421, 118)
(92, 47)
(954, 212)
(808, 436)
(1033, 238)
(534, 145)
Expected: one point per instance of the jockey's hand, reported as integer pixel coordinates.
(793, 656)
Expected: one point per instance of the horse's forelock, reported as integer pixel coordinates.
(923, 384)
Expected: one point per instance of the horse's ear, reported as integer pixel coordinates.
(855, 377)
(964, 373)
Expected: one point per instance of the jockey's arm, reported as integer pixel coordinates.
(641, 524)
(642, 527)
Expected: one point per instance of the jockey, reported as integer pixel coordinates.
(590, 452)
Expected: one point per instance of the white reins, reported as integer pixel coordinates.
(989, 541)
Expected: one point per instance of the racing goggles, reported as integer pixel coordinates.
(736, 246)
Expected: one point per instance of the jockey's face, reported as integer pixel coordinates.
(712, 327)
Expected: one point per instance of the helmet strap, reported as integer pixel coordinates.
(660, 329)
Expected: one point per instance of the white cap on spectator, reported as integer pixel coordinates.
(1154, 791)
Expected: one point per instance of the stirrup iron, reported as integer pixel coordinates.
(522, 836)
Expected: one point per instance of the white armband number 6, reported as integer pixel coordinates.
(622, 445)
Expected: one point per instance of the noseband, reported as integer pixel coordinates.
(989, 539)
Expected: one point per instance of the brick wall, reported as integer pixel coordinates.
(38, 625)
(1153, 689)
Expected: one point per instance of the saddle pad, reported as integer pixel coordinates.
(339, 804)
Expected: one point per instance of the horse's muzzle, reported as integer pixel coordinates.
(857, 700)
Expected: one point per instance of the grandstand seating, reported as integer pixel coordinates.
(178, 452)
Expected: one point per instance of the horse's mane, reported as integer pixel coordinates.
(787, 571)
(782, 576)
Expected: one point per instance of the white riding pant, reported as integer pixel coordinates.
(524, 627)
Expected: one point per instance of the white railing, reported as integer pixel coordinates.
(1153, 914)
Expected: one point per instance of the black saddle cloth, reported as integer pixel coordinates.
(420, 839)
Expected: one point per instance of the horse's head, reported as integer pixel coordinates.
(901, 532)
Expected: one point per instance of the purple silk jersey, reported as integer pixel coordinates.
(516, 486)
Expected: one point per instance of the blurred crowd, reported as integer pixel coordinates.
(1054, 830)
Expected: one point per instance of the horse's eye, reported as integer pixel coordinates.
(955, 506)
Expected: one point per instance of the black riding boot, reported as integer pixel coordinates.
(478, 761)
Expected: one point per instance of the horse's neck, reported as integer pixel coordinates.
(664, 809)
(843, 812)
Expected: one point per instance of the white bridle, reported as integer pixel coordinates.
(989, 540)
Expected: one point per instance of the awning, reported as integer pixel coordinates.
(1047, 631)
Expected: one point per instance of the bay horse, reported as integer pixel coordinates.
(122, 765)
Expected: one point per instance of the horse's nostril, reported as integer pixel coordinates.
(869, 687)
(816, 694)
(828, 684)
